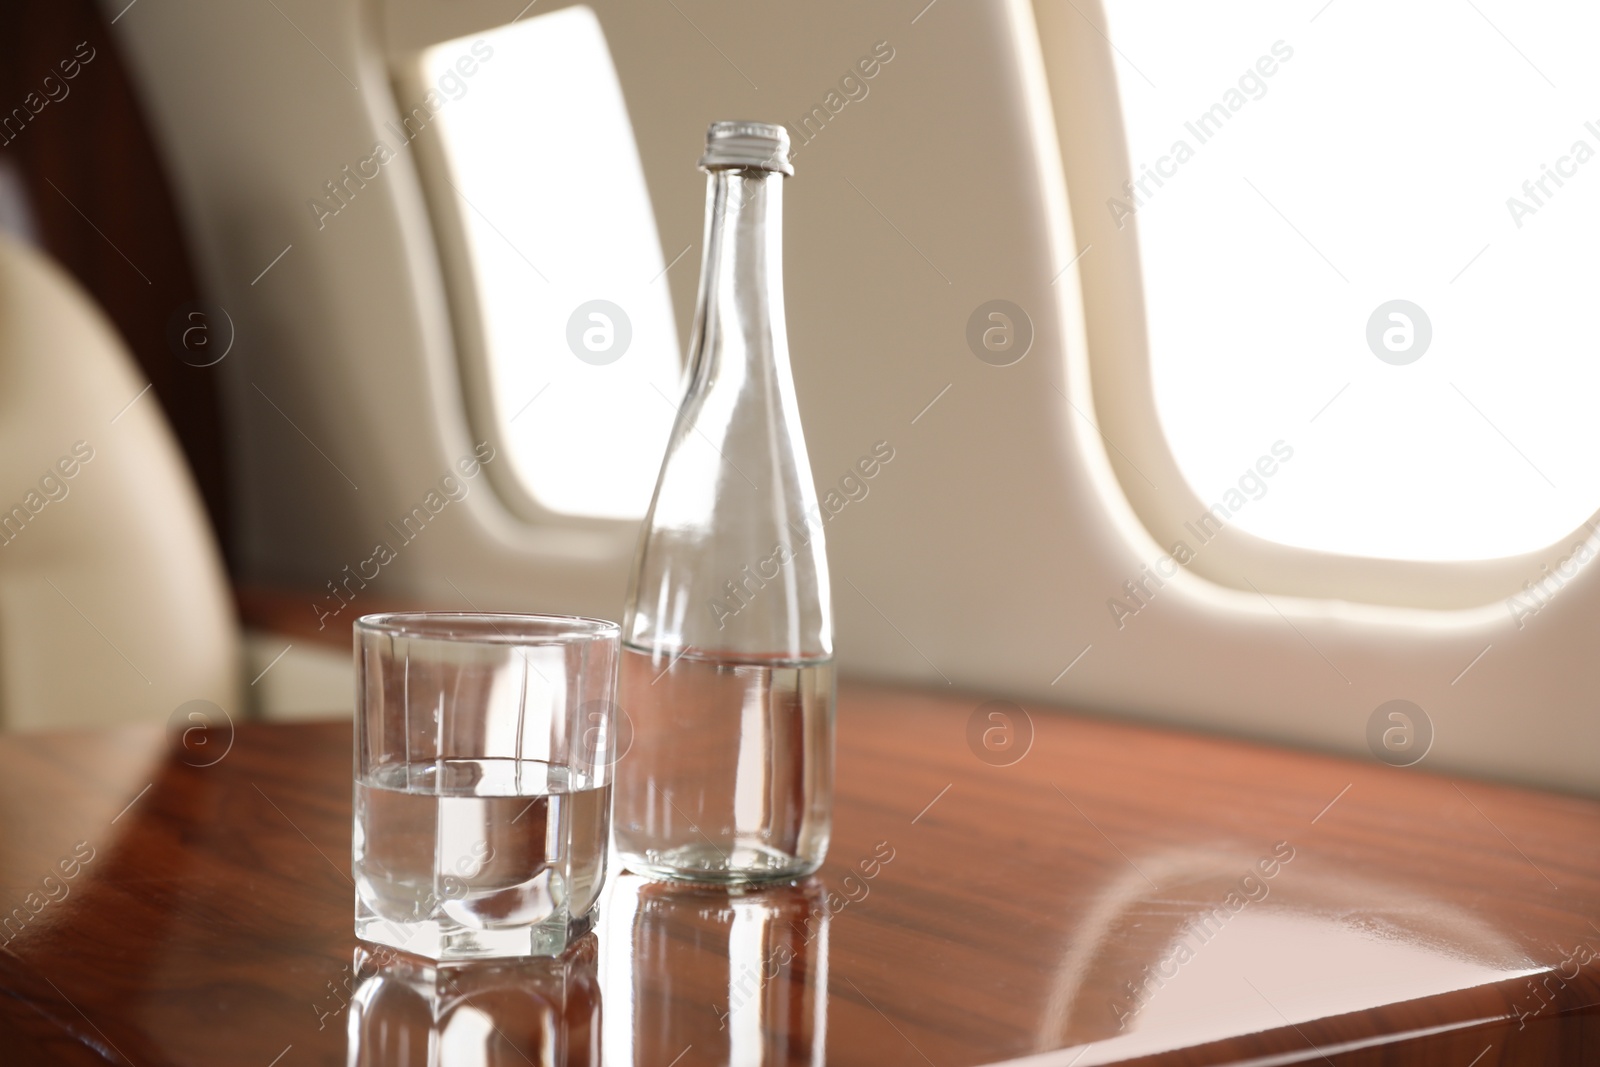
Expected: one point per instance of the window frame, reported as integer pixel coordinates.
(1082, 78)
(463, 293)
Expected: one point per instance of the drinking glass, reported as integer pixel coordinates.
(483, 753)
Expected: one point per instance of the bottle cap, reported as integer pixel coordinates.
(740, 145)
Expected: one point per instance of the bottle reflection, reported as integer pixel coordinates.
(410, 1011)
(734, 976)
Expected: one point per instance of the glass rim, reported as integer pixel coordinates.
(498, 628)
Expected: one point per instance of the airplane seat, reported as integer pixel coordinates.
(114, 602)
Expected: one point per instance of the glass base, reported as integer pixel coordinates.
(743, 864)
(447, 940)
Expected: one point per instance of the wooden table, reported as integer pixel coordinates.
(1116, 894)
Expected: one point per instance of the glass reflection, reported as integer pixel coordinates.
(729, 976)
(410, 1011)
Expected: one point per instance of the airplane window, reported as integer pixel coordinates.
(570, 290)
(1365, 233)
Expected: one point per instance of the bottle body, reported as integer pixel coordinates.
(727, 667)
(732, 776)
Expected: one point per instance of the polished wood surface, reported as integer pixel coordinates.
(309, 615)
(1116, 894)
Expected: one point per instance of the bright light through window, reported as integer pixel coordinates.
(576, 315)
(1302, 168)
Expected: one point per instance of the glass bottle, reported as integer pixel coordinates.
(727, 662)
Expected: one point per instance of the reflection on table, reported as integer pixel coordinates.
(496, 1013)
(716, 976)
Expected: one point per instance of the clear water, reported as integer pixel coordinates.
(459, 858)
(730, 774)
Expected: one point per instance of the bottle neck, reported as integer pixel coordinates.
(732, 560)
(739, 325)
